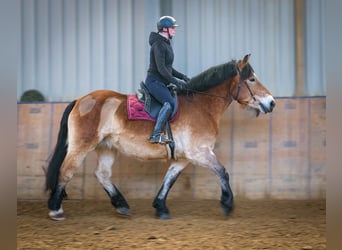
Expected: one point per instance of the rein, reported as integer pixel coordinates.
(208, 94)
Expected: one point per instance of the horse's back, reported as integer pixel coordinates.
(104, 94)
(97, 103)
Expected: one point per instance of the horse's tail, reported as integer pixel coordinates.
(52, 173)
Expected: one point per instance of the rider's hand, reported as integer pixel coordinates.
(186, 78)
(181, 84)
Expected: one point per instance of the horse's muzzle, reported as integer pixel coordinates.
(267, 105)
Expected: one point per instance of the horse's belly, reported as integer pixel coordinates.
(143, 151)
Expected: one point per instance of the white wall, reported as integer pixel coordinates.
(71, 47)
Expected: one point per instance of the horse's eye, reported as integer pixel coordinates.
(252, 79)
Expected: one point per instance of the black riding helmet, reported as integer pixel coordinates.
(166, 22)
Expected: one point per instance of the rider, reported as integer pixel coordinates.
(161, 73)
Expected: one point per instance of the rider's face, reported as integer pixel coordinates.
(172, 31)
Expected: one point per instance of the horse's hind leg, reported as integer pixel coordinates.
(55, 203)
(72, 161)
(170, 178)
(103, 173)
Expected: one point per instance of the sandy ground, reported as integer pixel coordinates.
(197, 224)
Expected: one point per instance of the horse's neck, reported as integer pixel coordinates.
(220, 97)
(216, 100)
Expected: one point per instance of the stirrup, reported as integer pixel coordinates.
(159, 139)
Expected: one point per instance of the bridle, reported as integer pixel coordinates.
(247, 86)
(225, 97)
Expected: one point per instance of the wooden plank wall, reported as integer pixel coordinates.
(279, 155)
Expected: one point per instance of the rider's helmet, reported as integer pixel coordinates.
(166, 22)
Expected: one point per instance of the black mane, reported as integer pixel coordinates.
(212, 76)
(216, 75)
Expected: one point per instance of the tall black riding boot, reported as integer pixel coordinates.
(163, 116)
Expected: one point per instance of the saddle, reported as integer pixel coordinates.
(143, 106)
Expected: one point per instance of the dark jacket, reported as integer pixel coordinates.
(161, 60)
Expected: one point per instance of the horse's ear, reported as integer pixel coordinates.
(246, 58)
(244, 61)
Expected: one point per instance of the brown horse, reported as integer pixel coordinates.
(98, 121)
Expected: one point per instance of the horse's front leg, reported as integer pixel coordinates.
(170, 178)
(227, 201)
(207, 158)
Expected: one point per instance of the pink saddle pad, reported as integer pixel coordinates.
(136, 110)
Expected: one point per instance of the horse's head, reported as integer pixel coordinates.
(249, 91)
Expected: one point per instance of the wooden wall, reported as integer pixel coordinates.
(279, 155)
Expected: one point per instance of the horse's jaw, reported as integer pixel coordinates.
(253, 109)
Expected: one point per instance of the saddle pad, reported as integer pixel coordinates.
(136, 111)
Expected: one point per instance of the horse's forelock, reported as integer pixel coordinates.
(247, 71)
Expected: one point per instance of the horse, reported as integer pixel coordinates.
(98, 121)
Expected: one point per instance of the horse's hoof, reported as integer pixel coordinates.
(163, 216)
(123, 211)
(227, 211)
(57, 215)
